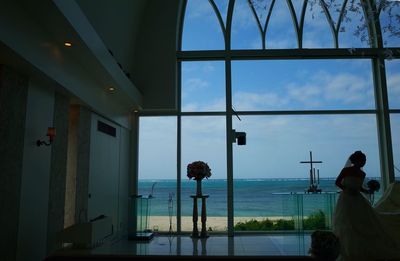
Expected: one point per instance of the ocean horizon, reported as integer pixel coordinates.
(253, 197)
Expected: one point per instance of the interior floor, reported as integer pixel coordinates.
(214, 245)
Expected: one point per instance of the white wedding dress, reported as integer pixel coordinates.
(362, 233)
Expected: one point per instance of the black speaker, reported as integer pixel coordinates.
(241, 138)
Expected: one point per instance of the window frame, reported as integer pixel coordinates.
(376, 54)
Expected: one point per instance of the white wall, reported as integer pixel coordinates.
(108, 175)
(109, 169)
(32, 231)
(125, 160)
(104, 172)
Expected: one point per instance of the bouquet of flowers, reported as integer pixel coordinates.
(373, 186)
(198, 170)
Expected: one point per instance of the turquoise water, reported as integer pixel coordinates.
(252, 197)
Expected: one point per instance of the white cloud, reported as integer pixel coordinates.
(280, 14)
(308, 95)
(345, 88)
(190, 107)
(318, 39)
(281, 43)
(216, 105)
(207, 67)
(393, 83)
(275, 144)
(198, 9)
(321, 90)
(204, 130)
(213, 105)
(273, 140)
(195, 84)
(256, 43)
(317, 32)
(190, 87)
(242, 16)
(332, 88)
(281, 33)
(252, 101)
(157, 144)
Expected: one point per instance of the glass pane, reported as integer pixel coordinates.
(390, 24)
(204, 139)
(201, 29)
(298, 6)
(222, 8)
(203, 86)
(393, 82)
(268, 169)
(316, 33)
(334, 8)
(157, 170)
(353, 32)
(261, 8)
(281, 30)
(395, 129)
(245, 33)
(302, 85)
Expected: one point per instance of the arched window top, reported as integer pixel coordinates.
(279, 24)
(281, 34)
(389, 17)
(201, 27)
(245, 33)
(222, 6)
(317, 29)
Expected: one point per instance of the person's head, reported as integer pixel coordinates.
(325, 245)
(358, 158)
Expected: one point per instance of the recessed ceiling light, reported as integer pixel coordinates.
(111, 89)
(67, 44)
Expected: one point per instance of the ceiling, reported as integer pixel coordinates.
(107, 38)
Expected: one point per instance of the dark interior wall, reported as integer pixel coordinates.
(125, 162)
(70, 183)
(82, 165)
(155, 55)
(13, 97)
(36, 162)
(124, 17)
(17, 119)
(58, 172)
(98, 167)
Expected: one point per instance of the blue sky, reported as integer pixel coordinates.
(275, 144)
(291, 85)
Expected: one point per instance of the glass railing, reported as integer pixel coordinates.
(259, 205)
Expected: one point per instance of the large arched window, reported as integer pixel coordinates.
(295, 76)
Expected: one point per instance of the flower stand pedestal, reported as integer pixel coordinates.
(203, 232)
(142, 212)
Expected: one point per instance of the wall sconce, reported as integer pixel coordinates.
(51, 133)
(240, 137)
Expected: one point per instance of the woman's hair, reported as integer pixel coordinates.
(325, 245)
(357, 156)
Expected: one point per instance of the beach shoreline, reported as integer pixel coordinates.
(162, 223)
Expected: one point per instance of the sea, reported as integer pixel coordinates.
(270, 197)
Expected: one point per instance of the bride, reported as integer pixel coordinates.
(362, 233)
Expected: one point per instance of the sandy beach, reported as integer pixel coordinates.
(162, 223)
